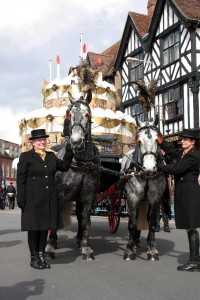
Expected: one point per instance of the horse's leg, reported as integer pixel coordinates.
(154, 195)
(51, 244)
(130, 251)
(79, 216)
(152, 252)
(87, 252)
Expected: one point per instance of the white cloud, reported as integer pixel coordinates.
(9, 129)
(34, 31)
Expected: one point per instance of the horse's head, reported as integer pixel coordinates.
(79, 115)
(147, 138)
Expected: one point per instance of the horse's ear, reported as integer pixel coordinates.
(138, 122)
(71, 99)
(137, 139)
(160, 138)
(89, 96)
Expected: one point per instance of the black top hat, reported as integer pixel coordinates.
(189, 133)
(38, 133)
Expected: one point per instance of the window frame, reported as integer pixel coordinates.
(172, 103)
(136, 68)
(171, 48)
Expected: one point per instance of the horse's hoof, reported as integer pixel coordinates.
(50, 255)
(89, 256)
(129, 256)
(152, 256)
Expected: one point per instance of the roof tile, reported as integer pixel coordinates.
(189, 8)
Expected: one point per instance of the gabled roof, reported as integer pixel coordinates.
(107, 58)
(190, 9)
(141, 22)
(188, 12)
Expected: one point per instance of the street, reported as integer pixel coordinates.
(107, 277)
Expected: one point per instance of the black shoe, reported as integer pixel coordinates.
(190, 267)
(36, 263)
(166, 229)
(157, 229)
(43, 261)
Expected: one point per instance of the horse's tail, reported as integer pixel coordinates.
(66, 213)
(142, 222)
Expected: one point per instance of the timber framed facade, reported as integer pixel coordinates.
(166, 44)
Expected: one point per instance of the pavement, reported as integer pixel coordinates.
(108, 277)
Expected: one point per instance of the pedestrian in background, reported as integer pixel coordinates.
(37, 194)
(187, 192)
(3, 194)
(11, 194)
(1, 176)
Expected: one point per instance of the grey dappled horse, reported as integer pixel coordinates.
(80, 183)
(146, 186)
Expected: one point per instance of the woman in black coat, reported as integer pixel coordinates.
(37, 194)
(187, 192)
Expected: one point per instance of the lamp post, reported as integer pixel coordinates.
(135, 59)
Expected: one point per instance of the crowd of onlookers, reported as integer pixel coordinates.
(7, 196)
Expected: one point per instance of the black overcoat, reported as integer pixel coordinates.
(37, 189)
(187, 189)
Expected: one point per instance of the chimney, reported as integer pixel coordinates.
(150, 7)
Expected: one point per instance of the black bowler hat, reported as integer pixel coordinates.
(191, 134)
(38, 133)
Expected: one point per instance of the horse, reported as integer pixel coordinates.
(145, 188)
(80, 184)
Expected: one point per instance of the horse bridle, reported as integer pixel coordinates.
(77, 104)
(147, 131)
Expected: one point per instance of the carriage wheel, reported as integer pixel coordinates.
(113, 216)
(113, 221)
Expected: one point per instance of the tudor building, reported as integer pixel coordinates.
(165, 45)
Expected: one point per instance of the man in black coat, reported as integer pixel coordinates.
(11, 194)
(37, 194)
(187, 192)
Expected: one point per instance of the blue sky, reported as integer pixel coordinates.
(34, 31)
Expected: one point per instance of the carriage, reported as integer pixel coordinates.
(82, 181)
(111, 198)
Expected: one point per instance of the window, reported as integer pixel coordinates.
(171, 48)
(7, 171)
(3, 170)
(136, 68)
(173, 103)
(12, 172)
(137, 109)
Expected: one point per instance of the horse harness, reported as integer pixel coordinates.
(138, 157)
(77, 104)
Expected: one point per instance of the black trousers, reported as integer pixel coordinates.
(11, 202)
(37, 241)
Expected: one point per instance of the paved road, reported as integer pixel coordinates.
(109, 277)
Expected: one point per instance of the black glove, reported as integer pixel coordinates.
(21, 205)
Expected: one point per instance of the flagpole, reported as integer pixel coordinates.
(81, 45)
